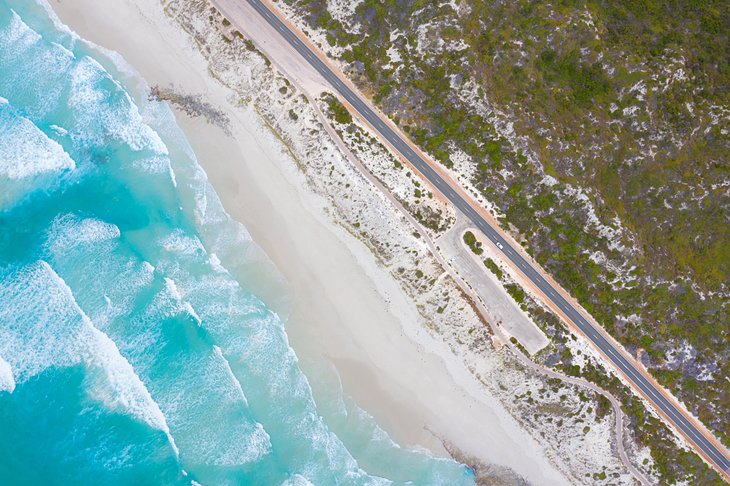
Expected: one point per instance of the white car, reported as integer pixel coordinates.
(499, 245)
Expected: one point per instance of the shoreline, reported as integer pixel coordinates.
(343, 306)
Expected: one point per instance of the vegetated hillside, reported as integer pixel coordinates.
(600, 129)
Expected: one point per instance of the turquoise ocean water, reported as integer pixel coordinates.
(131, 352)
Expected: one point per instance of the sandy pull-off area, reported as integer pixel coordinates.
(345, 310)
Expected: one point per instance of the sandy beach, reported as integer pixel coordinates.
(345, 313)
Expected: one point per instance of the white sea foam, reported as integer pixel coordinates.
(245, 447)
(157, 164)
(18, 36)
(265, 350)
(297, 480)
(236, 389)
(23, 54)
(60, 26)
(59, 130)
(44, 327)
(88, 249)
(236, 441)
(25, 151)
(215, 263)
(7, 382)
(209, 391)
(181, 243)
(101, 119)
(69, 231)
(121, 388)
(180, 305)
(40, 329)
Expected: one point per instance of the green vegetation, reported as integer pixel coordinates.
(516, 292)
(494, 268)
(337, 110)
(247, 42)
(601, 475)
(585, 81)
(672, 464)
(522, 349)
(471, 242)
(428, 217)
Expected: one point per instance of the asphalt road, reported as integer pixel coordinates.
(648, 389)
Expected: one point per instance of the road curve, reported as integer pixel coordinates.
(648, 389)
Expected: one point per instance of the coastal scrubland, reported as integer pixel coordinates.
(598, 131)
